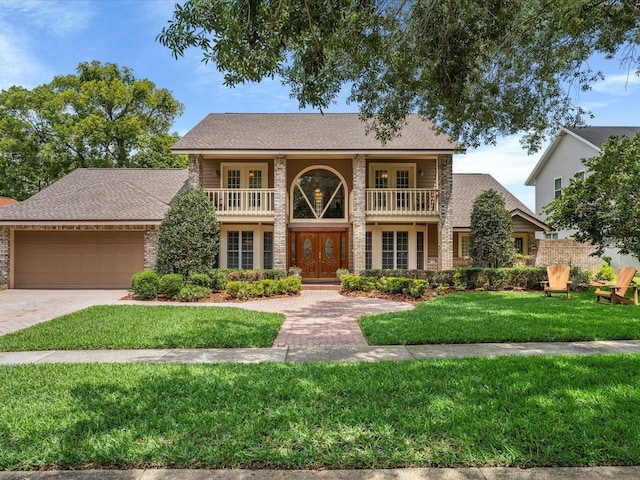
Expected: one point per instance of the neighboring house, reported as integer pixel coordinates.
(93, 228)
(307, 190)
(561, 162)
(466, 188)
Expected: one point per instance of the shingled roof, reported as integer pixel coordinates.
(597, 136)
(305, 132)
(466, 188)
(96, 194)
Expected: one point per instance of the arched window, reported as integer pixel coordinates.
(318, 194)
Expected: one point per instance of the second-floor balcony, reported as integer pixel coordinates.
(386, 202)
(401, 202)
(242, 201)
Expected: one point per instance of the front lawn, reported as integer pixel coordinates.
(507, 411)
(142, 326)
(504, 317)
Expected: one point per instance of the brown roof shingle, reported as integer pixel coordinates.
(96, 194)
(305, 132)
(467, 186)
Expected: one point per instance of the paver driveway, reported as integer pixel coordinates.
(22, 308)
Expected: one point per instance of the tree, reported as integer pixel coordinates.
(102, 116)
(479, 68)
(604, 207)
(188, 237)
(490, 243)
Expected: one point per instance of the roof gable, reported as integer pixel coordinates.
(467, 187)
(283, 132)
(593, 137)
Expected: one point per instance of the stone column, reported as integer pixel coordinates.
(4, 258)
(195, 170)
(445, 226)
(359, 212)
(280, 212)
(150, 248)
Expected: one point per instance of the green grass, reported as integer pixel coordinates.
(141, 326)
(507, 411)
(504, 317)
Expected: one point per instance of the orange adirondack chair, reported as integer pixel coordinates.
(558, 282)
(617, 293)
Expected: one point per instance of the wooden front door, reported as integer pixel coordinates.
(318, 254)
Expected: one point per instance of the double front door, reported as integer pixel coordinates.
(320, 254)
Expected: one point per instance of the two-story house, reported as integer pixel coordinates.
(307, 190)
(561, 162)
(317, 192)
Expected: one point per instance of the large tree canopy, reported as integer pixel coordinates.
(604, 207)
(99, 117)
(479, 68)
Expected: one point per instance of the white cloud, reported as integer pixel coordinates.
(56, 17)
(507, 162)
(19, 65)
(619, 84)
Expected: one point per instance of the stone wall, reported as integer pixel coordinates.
(280, 213)
(566, 251)
(150, 248)
(445, 225)
(359, 228)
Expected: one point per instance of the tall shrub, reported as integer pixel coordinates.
(490, 243)
(189, 233)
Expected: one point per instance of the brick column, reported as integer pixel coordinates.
(150, 248)
(359, 212)
(445, 226)
(280, 212)
(195, 170)
(4, 257)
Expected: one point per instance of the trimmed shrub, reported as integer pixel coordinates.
(269, 287)
(398, 285)
(145, 284)
(218, 279)
(418, 288)
(170, 285)
(191, 292)
(236, 289)
(188, 236)
(605, 272)
(200, 279)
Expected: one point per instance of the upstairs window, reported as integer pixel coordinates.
(557, 187)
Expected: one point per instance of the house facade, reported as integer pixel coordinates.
(305, 190)
(316, 192)
(561, 162)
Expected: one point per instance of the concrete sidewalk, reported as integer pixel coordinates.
(319, 354)
(495, 473)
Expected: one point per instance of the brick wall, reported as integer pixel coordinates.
(195, 170)
(280, 212)
(4, 257)
(445, 225)
(359, 212)
(150, 248)
(566, 251)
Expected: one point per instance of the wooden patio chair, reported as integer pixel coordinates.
(558, 280)
(617, 292)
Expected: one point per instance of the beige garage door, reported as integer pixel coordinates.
(77, 259)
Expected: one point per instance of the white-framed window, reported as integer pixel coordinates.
(368, 250)
(319, 193)
(392, 175)
(557, 187)
(240, 249)
(551, 235)
(395, 250)
(244, 175)
(519, 244)
(267, 250)
(420, 250)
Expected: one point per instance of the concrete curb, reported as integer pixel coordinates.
(494, 473)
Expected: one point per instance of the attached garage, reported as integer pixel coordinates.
(77, 259)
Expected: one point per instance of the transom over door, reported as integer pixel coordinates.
(318, 254)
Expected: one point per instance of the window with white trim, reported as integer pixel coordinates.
(240, 249)
(420, 250)
(395, 250)
(267, 250)
(368, 251)
(557, 187)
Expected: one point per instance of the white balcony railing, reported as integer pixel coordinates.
(242, 201)
(402, 201)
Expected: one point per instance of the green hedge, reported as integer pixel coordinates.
(145, 284)
(263, 288)
(493, 279)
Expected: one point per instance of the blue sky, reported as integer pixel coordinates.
(43, 38)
